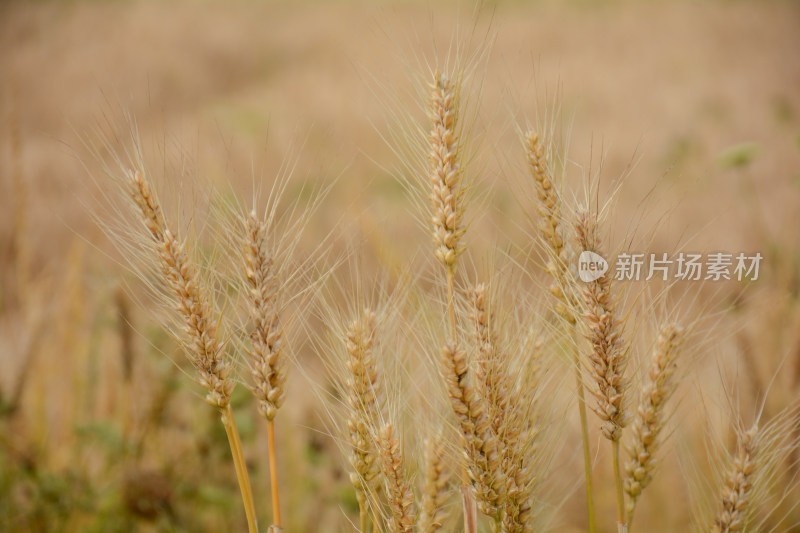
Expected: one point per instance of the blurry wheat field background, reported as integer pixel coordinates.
(697, 104)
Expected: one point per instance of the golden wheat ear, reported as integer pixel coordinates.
(266, 360)
(559, 245)
(651, 416)
(364, 406)
(398, 490)
(435, 487)
(607, 354)
(480, 444)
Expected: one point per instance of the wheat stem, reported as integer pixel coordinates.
(273, 474)
(551, 227)
(622, 527)
(587, 453)
(241, 467)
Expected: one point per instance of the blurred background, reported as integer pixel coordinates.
(694, 104)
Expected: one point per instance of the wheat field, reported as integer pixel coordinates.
(356, 266)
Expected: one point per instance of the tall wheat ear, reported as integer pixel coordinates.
(447, 197)
(607, 353)
(555, 234)
(187, 293)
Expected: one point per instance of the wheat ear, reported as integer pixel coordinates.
(738, 485)
(607, 354)
(480, 444)
(401, 497)
(552, 228)
(190, 295)
(446, 189)
(508, 421)
(650, 418)
(363, 405)
(435, 487)
(267, 365)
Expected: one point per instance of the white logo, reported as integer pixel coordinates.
(591, 266)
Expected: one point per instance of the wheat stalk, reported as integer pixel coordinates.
(552, 228)
(401, 497)
(267, 365)
(191, 300)
(607, 355)
(650, 418)
(447, 197)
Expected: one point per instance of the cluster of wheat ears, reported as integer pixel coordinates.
(491, 449)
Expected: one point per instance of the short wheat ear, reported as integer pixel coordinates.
(738, 485)
(401, 497)
(651, 416)
(480, 444)
(191, 300)
(364, 402)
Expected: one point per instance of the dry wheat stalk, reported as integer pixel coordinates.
(560, 250)
(480, 444)
(447, 195)
(267, 365)
(446, 192)
(738, 485)
(650, 418)
(607, 355)
(400, 495)
(436, 483)
(191, 299)
(364, 403)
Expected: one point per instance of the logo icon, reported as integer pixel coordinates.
(591, 266)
